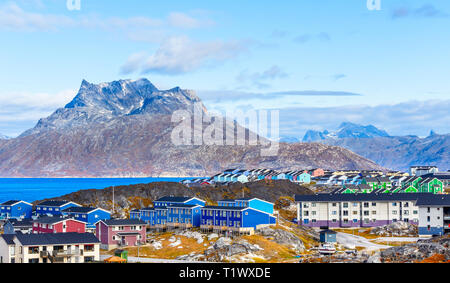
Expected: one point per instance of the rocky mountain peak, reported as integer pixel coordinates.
(100, 103)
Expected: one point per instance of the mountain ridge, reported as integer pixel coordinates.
(123, 128)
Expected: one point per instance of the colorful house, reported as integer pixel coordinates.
(12, 226)
(240, 216)
(114, 233)
(171, 212)
(304, 178)
(16, 209)
(49, 248)
(54, 224)
(53, 208)
(431, 185)
(89, 215)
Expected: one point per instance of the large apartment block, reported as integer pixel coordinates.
(430, 212)
(49, 248)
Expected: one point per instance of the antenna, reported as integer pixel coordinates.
(113, 199)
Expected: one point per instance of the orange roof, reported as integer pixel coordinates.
(115, 259)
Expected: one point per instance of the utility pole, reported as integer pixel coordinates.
(113, 200)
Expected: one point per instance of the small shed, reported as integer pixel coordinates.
(328, 236)
(122, 254)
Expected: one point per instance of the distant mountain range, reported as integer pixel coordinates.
(123, 129)
(3, 137)
(346, 130)
(395, 152)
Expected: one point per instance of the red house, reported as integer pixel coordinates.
(114, 233)
(45, 225)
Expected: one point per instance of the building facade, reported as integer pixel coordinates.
(49, 248)
(53, 208)
(16, 209)
(114, 233)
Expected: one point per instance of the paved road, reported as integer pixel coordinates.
(358, 241)
(397, 239)
(151, 260)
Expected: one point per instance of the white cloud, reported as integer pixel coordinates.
(407, 118)
(178, 55)
(13, 17)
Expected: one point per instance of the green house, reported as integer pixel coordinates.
(431, 185)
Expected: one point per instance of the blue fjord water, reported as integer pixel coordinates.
(39, 188)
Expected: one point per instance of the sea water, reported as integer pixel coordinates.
(32, 189)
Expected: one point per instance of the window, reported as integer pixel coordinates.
(366, 213)
(374, 204)
(374, 212)
(366, 204)
(345, 213)
(345, 205)
(355, 212)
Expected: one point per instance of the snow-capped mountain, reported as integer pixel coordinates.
(395, 152)
(100, 103)
(346, 130)
(123, 128)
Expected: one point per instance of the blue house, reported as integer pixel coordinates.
(304, 178)
(184, 215)
(166, 201)
(89, 215)
(53, 208)
(241, 216)
(16, 209)
(328, 236)
(171, 212)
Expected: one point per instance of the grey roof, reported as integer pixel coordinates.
(79, 209)
(238, 208)
(433, 199)
(50, 219)
(328, 231)
(175, 199)
(56, 239)
(20, 223)
(182, 205)
(362, 197)
(8, 238)
(123, 222)
(10, 202)
(54, 203)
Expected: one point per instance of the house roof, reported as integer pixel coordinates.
(328, 231)
(14, 202)
(56, 239)
(52, 219)
(8, 238)
(54, 203)
(361, 197)
(433, 199)
(175, 199)
(237, 208)
(82, 209)
(123, 222)
(25, 223)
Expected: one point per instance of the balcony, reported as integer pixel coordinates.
(67, 253)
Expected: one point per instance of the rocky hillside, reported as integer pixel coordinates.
(395, 152)
(142, 195)
(124, 128)
(401, 152)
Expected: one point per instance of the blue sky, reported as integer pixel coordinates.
(320, 62)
